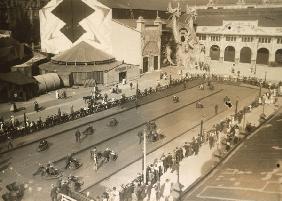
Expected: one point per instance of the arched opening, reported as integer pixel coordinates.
(245, 55)
(215, 52)
(278, 57)
(229, 54)
(262, 56)
(183, 34)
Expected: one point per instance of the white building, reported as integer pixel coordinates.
(242, 42)
(65, 23)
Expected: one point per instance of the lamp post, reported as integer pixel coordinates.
(236, 106)
(136, 103)
(201, 127)
(265, 73)
(144, 157)
(244, 118)
(25, 126)
(178, 186)
(260, 89)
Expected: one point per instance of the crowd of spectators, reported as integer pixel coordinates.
(14, 128)
(221, 139)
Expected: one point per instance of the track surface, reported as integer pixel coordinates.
(23, 161)
(251, 173)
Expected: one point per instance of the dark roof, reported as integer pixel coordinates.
(82, 53)
(162, 4)
(51, 67)
(16, 78)
(267, 17)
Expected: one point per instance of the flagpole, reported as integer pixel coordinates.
(136, 103)
(144, 157)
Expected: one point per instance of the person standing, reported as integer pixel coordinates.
(140, 136)
(131, 85)
(36, 106)
(10, 143)
(59, 112)
(54, 193)
(13, 107)
(216, 109)
(71, 110)
(167, 189)
(57, 94)
(93, 155)
(77, 135)
(115, 194)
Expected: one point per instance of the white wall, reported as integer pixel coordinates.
(97, 28)
(126, 44)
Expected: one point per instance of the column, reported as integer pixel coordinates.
(254, 51)
(271, 56)
(237, 54)
(221, 57)
(254, 57)
(272, 51)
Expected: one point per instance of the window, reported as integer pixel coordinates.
(247, 39)
(279, 40)
(230, 38)
(215, 38)
(264, 39)
(202, 37)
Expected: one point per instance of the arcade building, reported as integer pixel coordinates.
(242, 42)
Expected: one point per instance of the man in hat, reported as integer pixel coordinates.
(77, 135)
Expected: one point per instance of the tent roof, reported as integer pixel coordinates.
(51, 67)
(83, 53)
(16, 78)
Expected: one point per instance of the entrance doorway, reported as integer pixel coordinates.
(278, 57)
(156, 62)
(262, 56)
(215, 52)
(145, 64)
(229, 54)
(245, 55)
(122, 75)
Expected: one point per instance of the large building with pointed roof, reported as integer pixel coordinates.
(83, 63)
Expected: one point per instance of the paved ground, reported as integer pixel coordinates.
(252, 173)
(191, 168)
(50, 104)
(272, 74)
(22, 162)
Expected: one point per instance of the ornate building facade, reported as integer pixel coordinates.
(242, 42)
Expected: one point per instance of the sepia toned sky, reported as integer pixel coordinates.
(162, 4)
